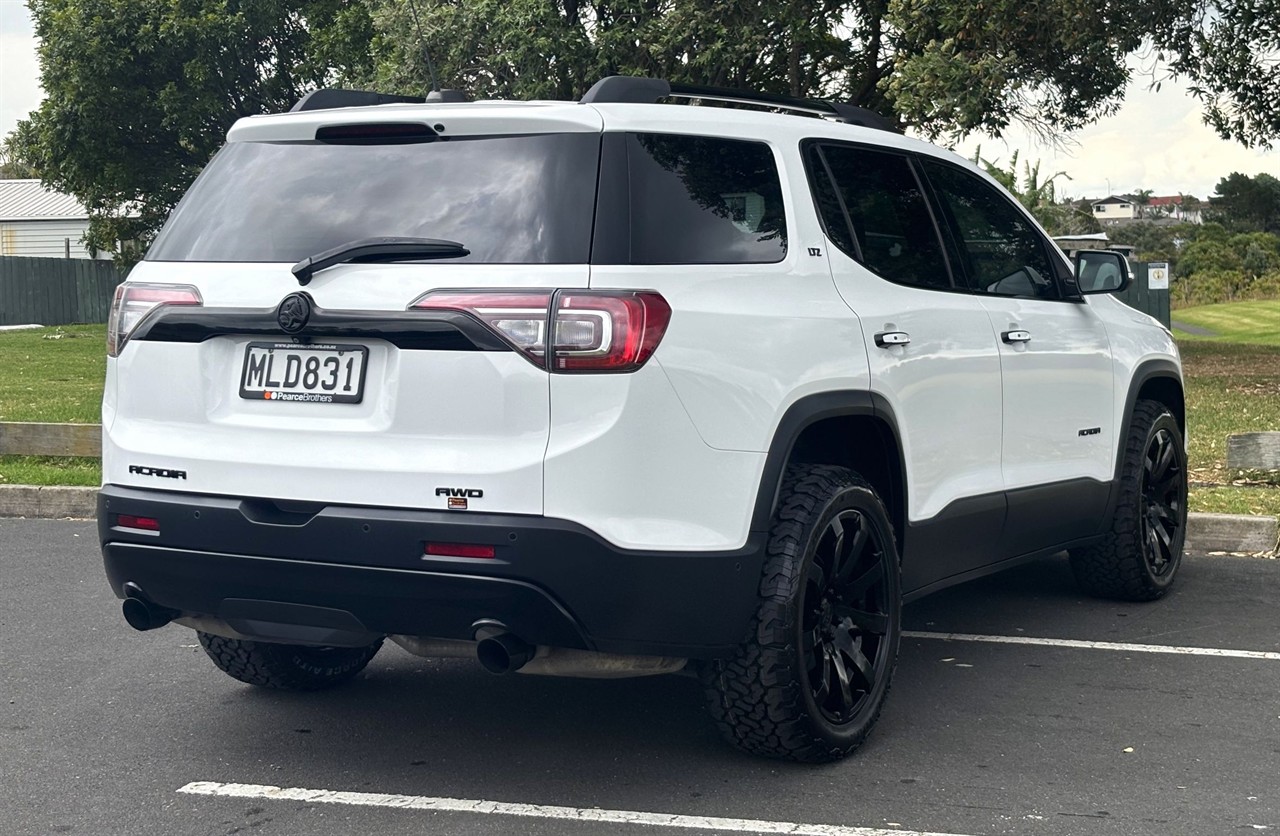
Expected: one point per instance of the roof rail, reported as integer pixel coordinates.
(325, 99)
(639, 90)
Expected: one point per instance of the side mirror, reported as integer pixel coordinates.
(1101, 271)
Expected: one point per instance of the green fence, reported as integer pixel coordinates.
(55, 291)
(1139, 294)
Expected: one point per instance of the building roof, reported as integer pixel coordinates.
(1173, 200)
(1115, 199)
(27, 200)
(1088, 236)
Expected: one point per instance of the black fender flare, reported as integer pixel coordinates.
(806, 412)
(1146, 371)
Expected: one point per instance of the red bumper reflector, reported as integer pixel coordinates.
(143, 523)
(459, 550)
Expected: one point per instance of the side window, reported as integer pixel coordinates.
(1000, 250)
(702, 200)
(893, 228)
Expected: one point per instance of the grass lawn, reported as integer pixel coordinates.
(1233, 386)
(52, 375)
(1257, 323)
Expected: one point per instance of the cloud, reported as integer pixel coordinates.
(20, 91)
(1157, 141)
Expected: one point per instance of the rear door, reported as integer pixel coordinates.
(437, 409)
(930, 350)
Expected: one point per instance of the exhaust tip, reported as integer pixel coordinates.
(504, 653)
(140, 613)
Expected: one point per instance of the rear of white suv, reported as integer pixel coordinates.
(360, 387)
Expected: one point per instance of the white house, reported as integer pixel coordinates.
(1115, 209)
(37, 222)
(1175, 206)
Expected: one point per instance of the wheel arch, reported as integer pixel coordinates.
(852, 429)
(1158, 379)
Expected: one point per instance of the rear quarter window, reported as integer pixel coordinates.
(703, 200)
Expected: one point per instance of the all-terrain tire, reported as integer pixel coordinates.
(809, 683)
(287, 667)
(1141, 554)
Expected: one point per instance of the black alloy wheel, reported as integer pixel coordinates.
(846, 618)
(1138, 555)
(809, 682)
(1164, 502)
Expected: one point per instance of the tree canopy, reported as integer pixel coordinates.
(1248, 204)
(139, 93)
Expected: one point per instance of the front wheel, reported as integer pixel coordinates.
(810, 682)
(286, 667)
(1143, 550)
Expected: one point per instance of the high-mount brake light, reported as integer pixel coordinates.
(594, 330)
(134, 300)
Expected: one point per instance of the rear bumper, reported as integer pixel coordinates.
(551, 581)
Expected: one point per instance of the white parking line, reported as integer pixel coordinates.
(537, 811)
(1121, 646)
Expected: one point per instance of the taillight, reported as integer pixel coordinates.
(593, 330)
(134, 300)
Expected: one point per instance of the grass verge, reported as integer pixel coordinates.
(1257, 323)
(53, 374)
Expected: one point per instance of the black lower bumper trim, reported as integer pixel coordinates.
(551, 581)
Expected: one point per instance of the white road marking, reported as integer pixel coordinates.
(1084, 645)
(538, 811)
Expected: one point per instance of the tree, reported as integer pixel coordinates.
(1227, 50)
(1142, 199)
(942, 66)
(1038, 196)
(1248, 204)
(140, 93)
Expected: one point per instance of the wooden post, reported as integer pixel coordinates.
(1253, 451)
(30, 439)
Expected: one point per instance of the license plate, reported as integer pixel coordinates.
(283, 372)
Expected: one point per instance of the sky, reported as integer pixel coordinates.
(1157, 141)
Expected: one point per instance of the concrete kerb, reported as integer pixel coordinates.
(1205, 532)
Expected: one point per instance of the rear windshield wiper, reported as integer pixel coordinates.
(377, 249)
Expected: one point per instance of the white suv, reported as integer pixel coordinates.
(614, 388)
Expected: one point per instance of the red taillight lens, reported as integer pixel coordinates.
(607, 331)
(459, 550)
(141, 523)
(134, 300)
(594, 330)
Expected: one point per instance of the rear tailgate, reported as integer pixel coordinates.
(207, 399)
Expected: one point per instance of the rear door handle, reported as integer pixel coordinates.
(1016, 336)
(888, 339)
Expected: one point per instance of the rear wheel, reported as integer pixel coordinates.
(810, 682)
(287, 666)
(1141, 555)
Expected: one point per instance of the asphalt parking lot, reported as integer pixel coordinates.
(109, 731)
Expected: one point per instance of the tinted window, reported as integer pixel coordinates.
(698, 200)
(514, 200)
(830, 209)
(895, 232)
(1001, 251)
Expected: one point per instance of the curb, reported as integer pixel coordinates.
(1205, 532)
(47, 502)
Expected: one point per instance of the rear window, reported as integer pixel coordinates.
(510, 199)
(704, 200)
